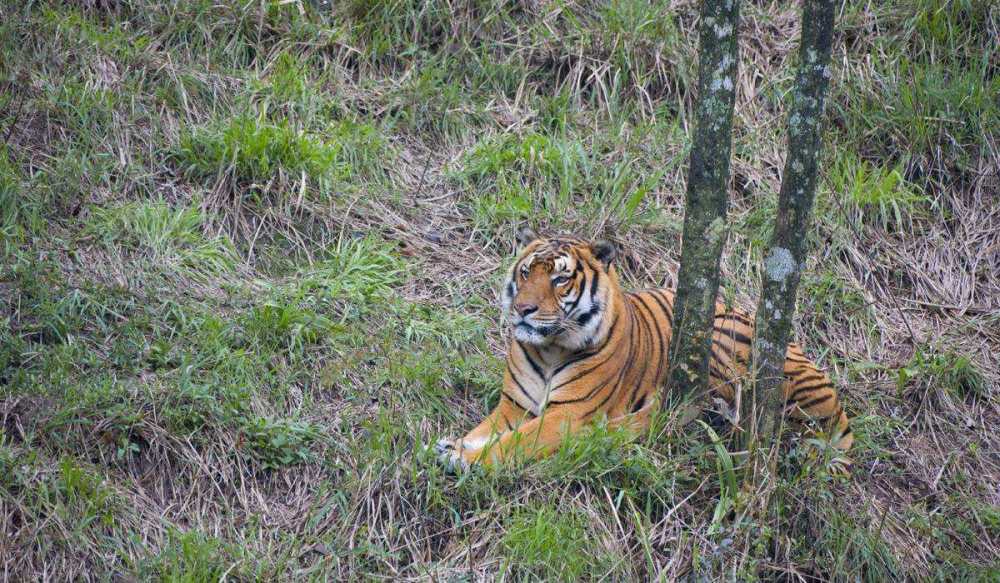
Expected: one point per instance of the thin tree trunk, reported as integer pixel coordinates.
(705, 227)
(785, 257)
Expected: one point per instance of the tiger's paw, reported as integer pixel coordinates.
(450, 456)
(840, 466)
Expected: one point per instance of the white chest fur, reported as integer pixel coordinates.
(533, 374)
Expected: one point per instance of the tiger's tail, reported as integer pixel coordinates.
(811, 397)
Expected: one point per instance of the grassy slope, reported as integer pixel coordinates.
(249, 253)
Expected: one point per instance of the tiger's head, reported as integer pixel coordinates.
(559, 290)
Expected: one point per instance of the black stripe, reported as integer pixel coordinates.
(645, 361)
(732, 333)
(512, 400)
(667, 303)
(576, 300)
(580, 375)
(722, 359)
(621, 373)
(531, 361)
(816, 401)
(802, 374)
(593, 285)
(725, 349)
(799, 389)
(599, 405)
(579, 290)
(652, 316)
(812, 383)
(718, 375)
(583, 355)
(639, 404)
(521, 387)
(513, 364)
(607, 338)
(657, 345)
(602, 403)
(586, 397)
(574, 360)
(803, 394)
(611, 329)
(739, 317)
(663, 305)
(585, 317)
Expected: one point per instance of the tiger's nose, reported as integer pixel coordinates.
(525, 309)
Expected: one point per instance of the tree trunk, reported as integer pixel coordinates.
(785, 257)
(705, 227)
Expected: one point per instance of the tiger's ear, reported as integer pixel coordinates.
(604, 251)
(525, 235)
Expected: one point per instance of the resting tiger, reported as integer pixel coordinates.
(583, 349)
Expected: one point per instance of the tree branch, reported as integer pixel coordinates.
(785, 257)
(705, 227)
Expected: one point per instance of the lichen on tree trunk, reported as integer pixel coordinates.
(785, 257)
(705, 226)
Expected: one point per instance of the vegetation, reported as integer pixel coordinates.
(248, 265)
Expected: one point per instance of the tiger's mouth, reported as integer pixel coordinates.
(544, 330)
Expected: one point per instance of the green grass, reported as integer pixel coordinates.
(955, 373)
(249, 261)
(189, 558)
(253, 151)
(279, 442)
(926, 96)
(550, 544)
(265, 162)
(880, 195)
(163, 236)
(538, 176)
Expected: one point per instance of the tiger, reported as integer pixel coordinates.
(583, 349)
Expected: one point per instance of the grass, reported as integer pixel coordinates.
(249, 255)
(163, 236)
(549, 544)
(948, 371)
(187, 558)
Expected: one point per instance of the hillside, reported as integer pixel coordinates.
(249, 261)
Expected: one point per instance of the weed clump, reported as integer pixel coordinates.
(550, 545)
(279, 443)
(947, 370)
(250, 151)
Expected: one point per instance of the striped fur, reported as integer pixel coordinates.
(590, 350)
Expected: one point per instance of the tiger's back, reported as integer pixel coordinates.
(808, 392)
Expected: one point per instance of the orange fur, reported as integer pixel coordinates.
(584, 349)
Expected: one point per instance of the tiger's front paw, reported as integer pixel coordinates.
(450, 455)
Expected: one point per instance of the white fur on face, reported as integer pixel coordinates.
(532, 337)
(573, 335)
(507, 294)
(578, 338)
